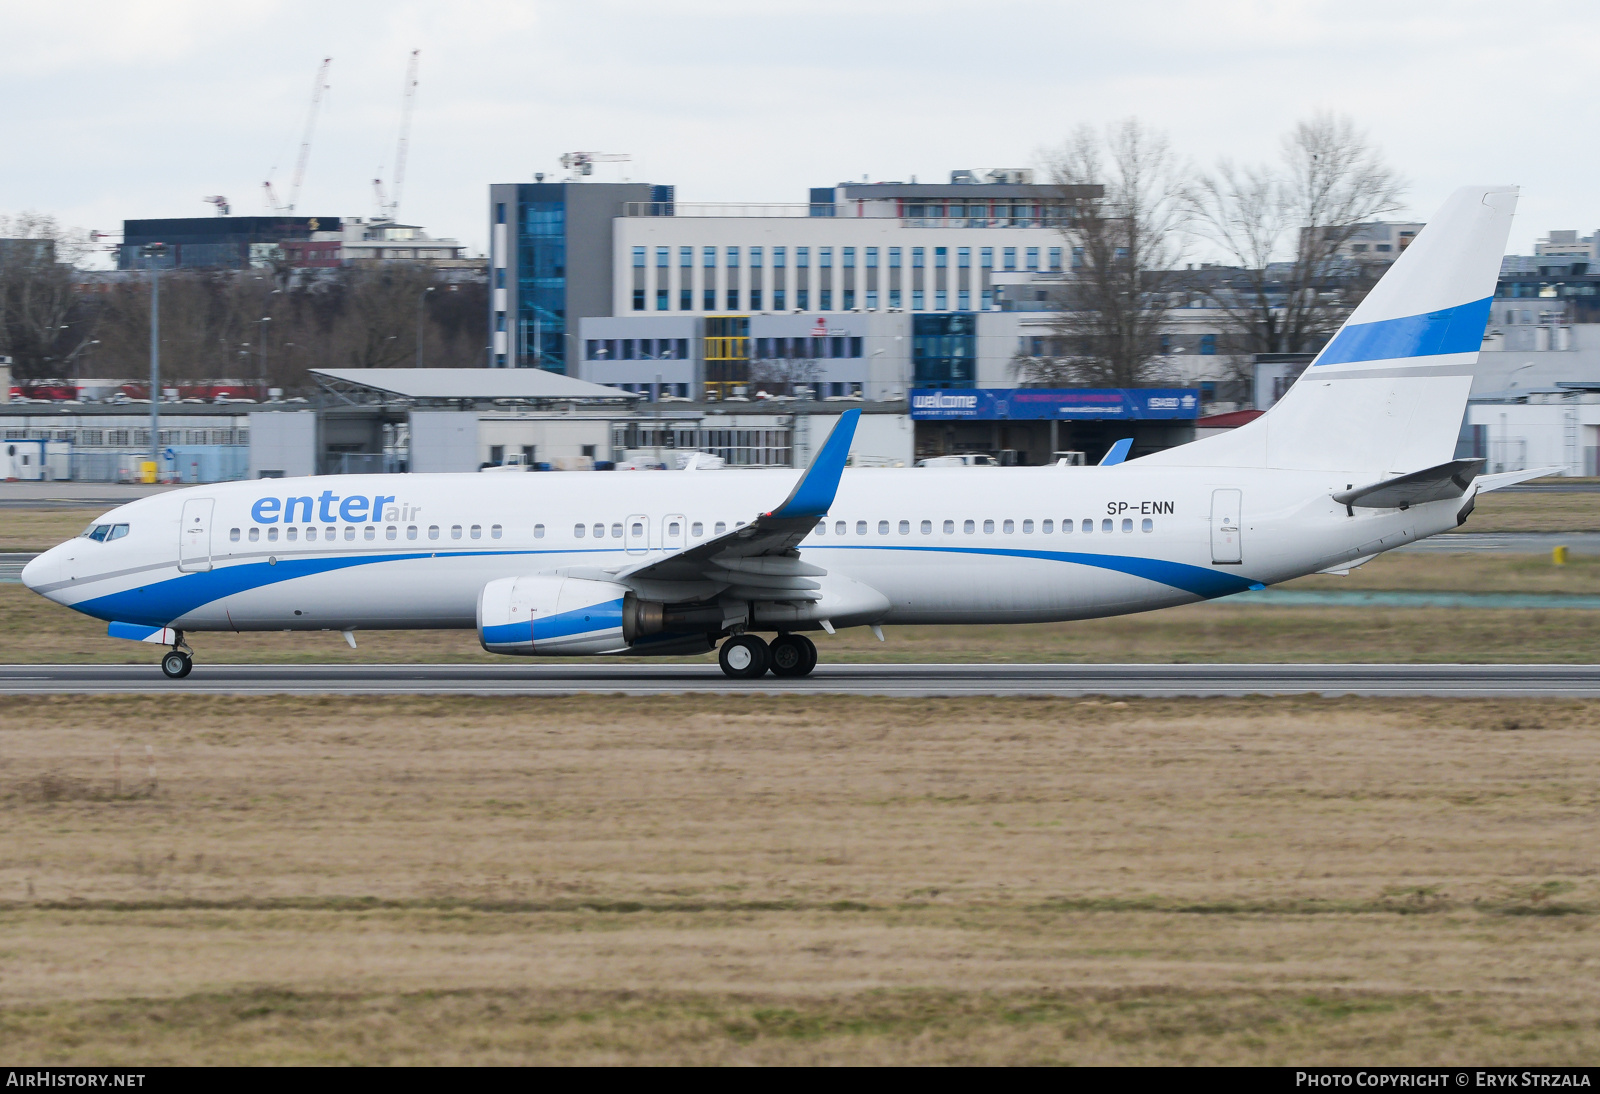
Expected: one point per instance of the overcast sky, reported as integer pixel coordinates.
(112, 110)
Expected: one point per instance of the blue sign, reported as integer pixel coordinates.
(1072, 403)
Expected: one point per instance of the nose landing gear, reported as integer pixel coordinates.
(179, 660)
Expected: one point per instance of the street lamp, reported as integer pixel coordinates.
(421, 300)
(151, 252)
(262, 337)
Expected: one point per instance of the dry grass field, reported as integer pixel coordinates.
(785, 880)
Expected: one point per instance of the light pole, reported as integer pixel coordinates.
(422, 300)
(152, 252)
(262, 338)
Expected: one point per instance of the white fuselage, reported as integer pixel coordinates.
(960, 545)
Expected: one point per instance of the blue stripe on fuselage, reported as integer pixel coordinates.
(161, 602)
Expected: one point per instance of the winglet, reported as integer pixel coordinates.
(1118, 452)
(814, 492)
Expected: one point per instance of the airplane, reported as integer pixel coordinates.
(1356, 459)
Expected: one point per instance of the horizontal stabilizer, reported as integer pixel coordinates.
(1487, 483)
(1448, 480)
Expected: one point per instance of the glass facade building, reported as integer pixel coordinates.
(944, 349)
(541, 317)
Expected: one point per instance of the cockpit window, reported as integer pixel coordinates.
(98, 532)
(118, 531)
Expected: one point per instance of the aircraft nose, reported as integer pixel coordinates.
(41, 569)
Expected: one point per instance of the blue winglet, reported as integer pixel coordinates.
(1118, 452)
(813, 494)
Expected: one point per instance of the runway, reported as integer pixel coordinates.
(1547, 681)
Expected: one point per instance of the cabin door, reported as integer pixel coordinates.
(1226, 548)
(194, 537)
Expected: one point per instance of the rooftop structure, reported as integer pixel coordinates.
(429, 386)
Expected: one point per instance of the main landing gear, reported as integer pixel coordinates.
(179, 660)
(747, 657)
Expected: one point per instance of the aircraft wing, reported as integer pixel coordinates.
(758, 560)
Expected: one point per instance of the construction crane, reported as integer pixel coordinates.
(582, 163)
(223, 208)
(389, 209)
(305, 147)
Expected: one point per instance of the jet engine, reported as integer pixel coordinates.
(552, 616)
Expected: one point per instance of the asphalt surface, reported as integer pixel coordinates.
(1567, 681)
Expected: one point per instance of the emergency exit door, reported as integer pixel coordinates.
(637, 537)
(1226, 546)
(194, 537)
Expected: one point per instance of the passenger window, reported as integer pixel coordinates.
(697, 529)
(1127, 524)
(927, 527)
(949, 527)
(578, 531)
(599, 531)
(905, 528)
(291, 533)
(968, 527)
(538, 531)
(616, 531)
(1066, 527)
(349, 533)
(821, 528)
(411, 531)
(233, 534)
(988, 527)
(118, 531)
(494, 531)
(673, 528)
(861, 527)
(311, 534)
(840, 527)
(255, 534)
(330, 533)
(1105, 525)
(1148, 525)
(1027, 527)
(1047, 527)
(1009, 527)
(721, 527)
(272, 535)
(433, 531)
(455, 531)
(477, 531)
(1088, 525)
(391, 532)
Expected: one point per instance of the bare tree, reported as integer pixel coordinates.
(44, 323)
(1284, 225)
(1114, 303)
(382, 303)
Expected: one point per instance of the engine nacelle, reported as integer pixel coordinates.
(549, 616)
(552, 616)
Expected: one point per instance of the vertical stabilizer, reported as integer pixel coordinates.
(1387, 393)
